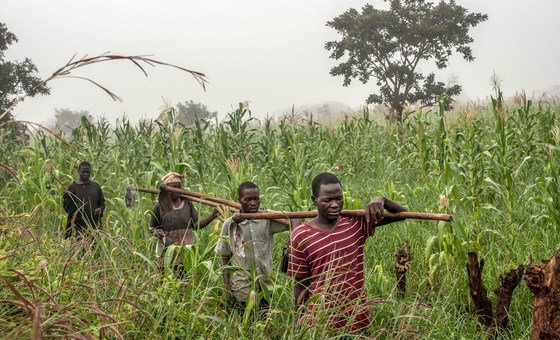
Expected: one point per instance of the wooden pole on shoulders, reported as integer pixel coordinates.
(349, 213)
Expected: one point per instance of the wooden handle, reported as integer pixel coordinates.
(198, 197)
(203, 196)
(192, 196)
(349, 213)
(281, 216)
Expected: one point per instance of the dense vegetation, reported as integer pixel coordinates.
(494, 168)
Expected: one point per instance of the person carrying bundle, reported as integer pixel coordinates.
(246, 249)
(326, 258)
(174, 218)
(84, 203)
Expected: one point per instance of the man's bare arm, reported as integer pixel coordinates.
(229, 300)
(215, 213)
(225, 271)
(301, 293)
(394, 207)
(377, 206)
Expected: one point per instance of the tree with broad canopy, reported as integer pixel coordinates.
(389, 45)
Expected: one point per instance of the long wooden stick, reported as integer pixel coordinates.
(203, 196)
(234, 207)
(210, 200)
(194, 196)
(349, 213)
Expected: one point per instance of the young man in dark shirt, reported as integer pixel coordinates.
(84, 203)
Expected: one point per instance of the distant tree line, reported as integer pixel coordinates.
(187, 113)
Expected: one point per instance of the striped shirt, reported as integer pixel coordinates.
(333, 261)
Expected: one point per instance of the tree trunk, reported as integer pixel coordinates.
(483, 305)
(396, 112)
(544, 282)
(509, 281)
(479, 296)
(403, 263)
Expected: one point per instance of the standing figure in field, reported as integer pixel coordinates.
(174, 218)
(326, 258)
(246, 245)
(84, 203)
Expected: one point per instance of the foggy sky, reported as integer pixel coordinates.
(270, 53)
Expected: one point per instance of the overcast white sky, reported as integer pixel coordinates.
(270, 53)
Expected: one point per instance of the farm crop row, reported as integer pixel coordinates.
(494, 168)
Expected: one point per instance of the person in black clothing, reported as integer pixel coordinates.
(84, 203)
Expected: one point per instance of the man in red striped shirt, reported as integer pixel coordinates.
(326, 257)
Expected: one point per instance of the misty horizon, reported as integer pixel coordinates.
(268, 54)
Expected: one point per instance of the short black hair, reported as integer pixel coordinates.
(83, 163)
(245, 185)
(323, 178)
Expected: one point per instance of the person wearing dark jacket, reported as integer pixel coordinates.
(84, 203)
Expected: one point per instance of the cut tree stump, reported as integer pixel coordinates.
(403, 263)
(544, 282)
(479, 296)
(509, 281)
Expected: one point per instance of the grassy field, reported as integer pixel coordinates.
(496, 168)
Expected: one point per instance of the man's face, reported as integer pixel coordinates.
(329, 201)
(250, 200)
(84, 172)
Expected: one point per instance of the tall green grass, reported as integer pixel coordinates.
(496, 167)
